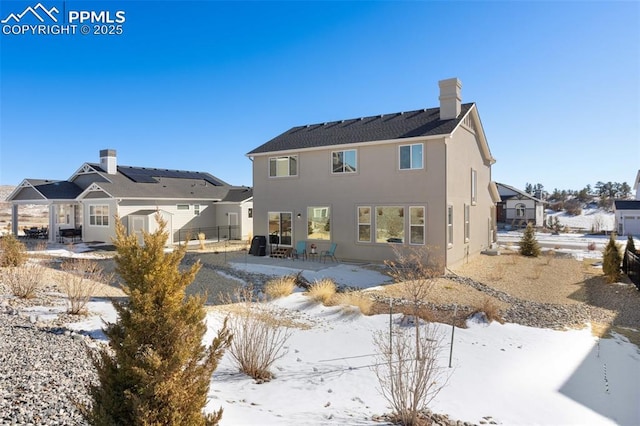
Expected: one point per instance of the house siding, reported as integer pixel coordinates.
(180, 219)
(377, 182)
(463, 155)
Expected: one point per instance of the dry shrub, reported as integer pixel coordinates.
(259, 338)
(23, 281)
(357, 299)
(12, 251)
(496, 273)
(549, 256)
(322, 291)
(201, 238)
(490, 309)
(81, 280)
(280, 287)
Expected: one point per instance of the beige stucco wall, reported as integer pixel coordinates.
(463, 155)
(378, 182)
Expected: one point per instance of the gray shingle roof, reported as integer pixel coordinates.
(56, 190)
(154, 183)
(423, 122)
(238, 194)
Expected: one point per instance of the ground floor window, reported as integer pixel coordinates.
(520, 210)
(467, 223)
(416, 223)
(450, 225)
(99, 215)
(280, 227)
(390, 224)
(364, 224)
(318, 223)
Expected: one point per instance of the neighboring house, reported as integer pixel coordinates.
(90, 199)
(627, 217)
(517, 208)
(421, 178)
(627, 213)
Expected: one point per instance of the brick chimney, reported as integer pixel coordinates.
(108, 161)
(450, 98)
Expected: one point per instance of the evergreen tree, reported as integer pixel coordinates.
(631, 247)
(528, 244)
(611, 260)
(156, 370)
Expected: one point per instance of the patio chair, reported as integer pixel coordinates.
(300, 250)
(329, 253)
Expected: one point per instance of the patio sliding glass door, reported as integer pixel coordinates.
(280, 225)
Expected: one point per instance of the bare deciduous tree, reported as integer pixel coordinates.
(408, 371)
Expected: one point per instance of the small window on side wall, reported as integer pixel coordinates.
(474, 186)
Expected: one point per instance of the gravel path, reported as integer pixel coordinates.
(44, 371)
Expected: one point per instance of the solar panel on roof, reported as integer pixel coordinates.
(143, 175)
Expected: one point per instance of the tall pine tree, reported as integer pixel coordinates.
(156, 370)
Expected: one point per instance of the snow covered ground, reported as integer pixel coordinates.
(509, 374)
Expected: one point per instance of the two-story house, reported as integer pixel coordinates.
(421, 178)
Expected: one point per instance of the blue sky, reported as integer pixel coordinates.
(195, 85)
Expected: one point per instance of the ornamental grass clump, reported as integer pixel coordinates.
(323, 291)
(280, 286)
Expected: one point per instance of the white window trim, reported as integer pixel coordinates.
(101, 215)
(424, 225)
(288, 168)
(328, 216)
(450, 230)
(181, 207)
(467, 223)
(474, 187)
(404, 223)
(344, 172)
(371, 213)
(524, 210)
(410, 156)
(196, 209)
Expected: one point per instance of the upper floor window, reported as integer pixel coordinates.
(474, 186)
(283, 166)
(196, 209)
(411, 156)
(182, 206)
(99, 215)
(344, 161)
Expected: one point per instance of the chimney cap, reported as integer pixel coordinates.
(107, 153)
